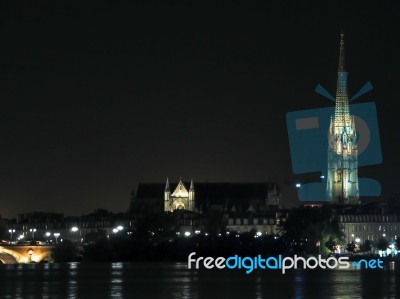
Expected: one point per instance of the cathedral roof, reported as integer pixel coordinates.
(236, 196)
(180, 190)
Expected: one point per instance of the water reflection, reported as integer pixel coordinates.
(117, 271)
(172, 281)
(72, 280)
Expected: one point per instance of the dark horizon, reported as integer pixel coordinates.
(102, 96)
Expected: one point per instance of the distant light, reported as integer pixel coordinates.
(74, 229)
(56, 235)
(298, 185)
(21, 236)
(120, 227)
(48, 234)
(187, 234)
(115, 230)
(206, 234)
(197, 232)
(358, 240)
(178, 233)
(259, 233)
(322, 176)
(383, 235)
(227, 233)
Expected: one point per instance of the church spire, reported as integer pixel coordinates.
(342, 113)
(167, 184)
(342, 61)
(191, 185)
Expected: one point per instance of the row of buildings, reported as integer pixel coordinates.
(243, 207)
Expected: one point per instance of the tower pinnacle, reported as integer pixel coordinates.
(342, 62)
(342, 176)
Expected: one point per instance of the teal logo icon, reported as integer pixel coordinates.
(308, 140)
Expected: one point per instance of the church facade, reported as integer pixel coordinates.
(180, 199)
(242, 206)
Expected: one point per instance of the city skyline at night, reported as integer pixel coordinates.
(101, 98)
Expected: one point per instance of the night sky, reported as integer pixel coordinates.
(96, 97)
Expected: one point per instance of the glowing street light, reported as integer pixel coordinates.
(33, 230)
(56, 235)
(74, 229)
(11, 231)
(298, 185)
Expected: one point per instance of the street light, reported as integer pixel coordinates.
(74, 229)
(358, 240)
(11, 231)
(56, 235)
(33, 230)
(298, 185)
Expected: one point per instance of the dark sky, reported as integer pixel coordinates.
(98, 96)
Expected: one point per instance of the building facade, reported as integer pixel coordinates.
(243, 206)
(180, 199)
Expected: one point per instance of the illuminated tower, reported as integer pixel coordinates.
(167, 197)
(342, 176)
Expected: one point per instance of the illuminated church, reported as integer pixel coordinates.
(342, 175)
(180, 199)
(191, 197)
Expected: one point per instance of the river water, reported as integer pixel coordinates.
(174, 280)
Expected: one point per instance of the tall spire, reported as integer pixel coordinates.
(191, 185)
(342, 113)
(342, 172)
(342, 61)
(167, 184)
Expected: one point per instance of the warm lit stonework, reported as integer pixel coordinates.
(342, 178)
(180, 199)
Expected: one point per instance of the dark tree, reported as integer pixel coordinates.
(382, 244)
(331, 244)
(351, 247)
(311, 229)
(366, 246)
(64, 252)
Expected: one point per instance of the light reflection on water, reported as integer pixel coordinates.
(174, 280)
(117, 270)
